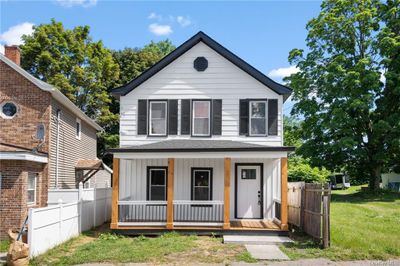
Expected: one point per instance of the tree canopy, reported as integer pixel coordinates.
(86, 71)
(351, 117)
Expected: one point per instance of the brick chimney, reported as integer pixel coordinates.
(13, 53)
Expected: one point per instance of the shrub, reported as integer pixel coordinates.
(301, 170)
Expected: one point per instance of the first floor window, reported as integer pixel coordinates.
(201, 118)
(157, 183)
(258, 118)
(31, 188)
(201, 184)
(158, 118)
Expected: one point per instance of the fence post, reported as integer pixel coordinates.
(60, 208)
(80, 205)
(30, 231)
(106, 201)
(325, 226)
(94, 206)
(302, 205)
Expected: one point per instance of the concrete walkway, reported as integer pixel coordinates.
(255, 240)
(266, 252)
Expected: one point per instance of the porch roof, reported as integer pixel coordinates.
(190, 145)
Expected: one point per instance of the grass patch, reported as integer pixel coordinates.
(364, 225)
(168, 248)
(4, 244)
(245, 257)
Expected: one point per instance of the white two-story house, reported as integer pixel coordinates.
(201, 145)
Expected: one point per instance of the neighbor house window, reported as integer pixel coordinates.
(78, 128)
(31, 188)
(258, 118)
(157, 183)
(201, 118)
(158, 118)
(201, 184)
(8, 110)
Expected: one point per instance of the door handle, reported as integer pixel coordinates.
(259, 197)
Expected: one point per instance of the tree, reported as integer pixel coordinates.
(339, 93)
(83, 69)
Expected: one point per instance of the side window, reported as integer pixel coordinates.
(158, 118)
(8, 110)
(78, 129)
(31, 188)
(201, 118)
(258, 118)
(157, 183)
(201, 184)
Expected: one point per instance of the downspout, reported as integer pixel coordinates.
(57, 144)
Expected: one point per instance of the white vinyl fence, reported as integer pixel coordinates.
(70, 212)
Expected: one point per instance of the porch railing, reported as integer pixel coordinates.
(142, 212)
(198, 212)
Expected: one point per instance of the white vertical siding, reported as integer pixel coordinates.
(179, 80)
(133, 179)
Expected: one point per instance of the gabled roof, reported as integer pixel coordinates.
(202, 37)
(55, 93)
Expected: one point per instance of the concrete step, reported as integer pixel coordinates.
(255, 240)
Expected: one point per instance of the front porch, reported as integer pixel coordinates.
(221, 199)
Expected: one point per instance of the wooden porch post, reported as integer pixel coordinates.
(227, 192)
(284, 192)
(170, 194)
(115, 195)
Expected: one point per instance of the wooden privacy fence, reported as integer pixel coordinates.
(309, 209)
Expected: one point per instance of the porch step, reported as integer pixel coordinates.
(255, 240)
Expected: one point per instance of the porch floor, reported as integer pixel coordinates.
(254, 225)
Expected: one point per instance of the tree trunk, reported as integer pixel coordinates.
(375, 177)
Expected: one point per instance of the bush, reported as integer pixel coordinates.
(301, 170)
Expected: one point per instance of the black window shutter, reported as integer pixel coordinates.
(142, 117)
(244, 117)
(217, 116)
(172, 117)
(185, 117)
(273, 117)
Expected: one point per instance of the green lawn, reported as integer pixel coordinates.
(363, 226)
(168, 248)
(4, 245)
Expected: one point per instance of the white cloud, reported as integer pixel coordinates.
(280, 73)
(1, 49)
(383, 78)
(13, 35)
(154, 15)
(183, 21)
(159, 29)
(71, 3)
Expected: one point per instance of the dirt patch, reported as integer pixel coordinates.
(207, 250)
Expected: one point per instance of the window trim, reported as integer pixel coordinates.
(209, 117)
(34, 189)
(149, 102)
(148, 185)
(79, 135)
(266, 117)
(3, 115)
(193, 170)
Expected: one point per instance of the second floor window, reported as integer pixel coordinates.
(258, 118)
(201, 118)
(158, 118)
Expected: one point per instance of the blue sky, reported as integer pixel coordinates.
(260, 32)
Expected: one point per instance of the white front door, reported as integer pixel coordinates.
(248, 191)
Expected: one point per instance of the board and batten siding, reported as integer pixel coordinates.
(71, 149)
(179, 80)
(133, 179)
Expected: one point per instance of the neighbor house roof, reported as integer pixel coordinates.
(91, 164)
(190, 145)
(202, 37)
(56, 94)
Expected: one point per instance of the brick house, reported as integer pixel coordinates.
(46, 142)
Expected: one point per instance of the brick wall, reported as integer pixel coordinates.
(34, 107)
(13, 195)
